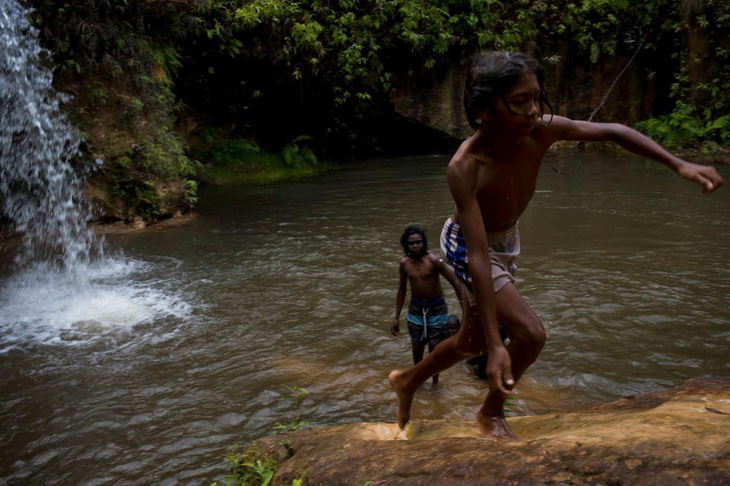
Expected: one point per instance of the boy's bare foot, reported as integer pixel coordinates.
(494, 427)
(405, 399)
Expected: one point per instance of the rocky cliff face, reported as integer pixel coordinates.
(679, 436)
(575, 86)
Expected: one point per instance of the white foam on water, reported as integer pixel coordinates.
(46, 306)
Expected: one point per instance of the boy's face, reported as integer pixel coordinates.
(415, 246)
(518, 109)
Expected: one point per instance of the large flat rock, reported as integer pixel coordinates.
(678, 436)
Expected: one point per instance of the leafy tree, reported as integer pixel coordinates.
(277, 70)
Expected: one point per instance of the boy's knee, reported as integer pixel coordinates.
(534, 335)
(538, 335)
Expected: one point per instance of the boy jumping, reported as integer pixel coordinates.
(428, 316)
(492, 178)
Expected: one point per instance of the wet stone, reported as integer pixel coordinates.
(655, 438)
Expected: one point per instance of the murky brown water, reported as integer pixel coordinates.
(184, 348)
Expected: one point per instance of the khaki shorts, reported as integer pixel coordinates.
(504, 248)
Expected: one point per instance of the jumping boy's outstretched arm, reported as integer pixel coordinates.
(561, 128)
(399, 300)
(463, 177)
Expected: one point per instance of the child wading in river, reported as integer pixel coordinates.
(428, 316)
(492, 178)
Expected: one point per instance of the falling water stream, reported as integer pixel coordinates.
(40, 188)
(62, 283)
(145, 363)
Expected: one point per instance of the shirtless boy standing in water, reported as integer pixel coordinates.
(492, 178)
(428, 316)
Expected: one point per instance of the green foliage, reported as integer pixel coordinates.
(261, 472)
(286, 67)
(120, 61)
(190, 191)
(153, 178)
(220, 151)
(249, 468)
(510, 405)
(296, 396)
(358, 47)
(701, 115)
(296, 155)
(713, 82)
(685, 128)
(226, 158)
(344, 57)
(604, 28)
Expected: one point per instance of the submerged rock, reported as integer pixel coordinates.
(678, 436)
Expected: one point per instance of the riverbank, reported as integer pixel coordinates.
(266, 167)
(241, 166)
(236, 163)
(260, 170)
(673, 436)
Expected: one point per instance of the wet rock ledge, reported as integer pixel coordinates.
(678, 436)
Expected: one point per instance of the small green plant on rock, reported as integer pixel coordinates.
(249, 468)
(298, 155)
(509, 405)
(297, 396)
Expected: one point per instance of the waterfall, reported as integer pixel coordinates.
(63, 289)
(40, 192)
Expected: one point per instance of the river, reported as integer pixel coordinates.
(192, 330)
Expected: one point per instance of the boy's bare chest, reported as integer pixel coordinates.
(420, 269)
(505, 190)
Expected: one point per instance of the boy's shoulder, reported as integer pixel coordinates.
(467, 152)
(466, 160)
(433, 257)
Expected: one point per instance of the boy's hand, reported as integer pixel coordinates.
(395, 327)
(499, 370)
(704, 175)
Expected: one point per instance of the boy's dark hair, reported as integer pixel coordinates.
(491, 73)
(413, 230)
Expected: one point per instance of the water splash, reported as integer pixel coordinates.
(46, 308)
(39, 188)
(63, 290)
